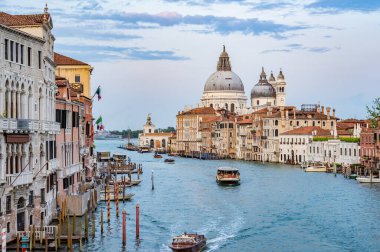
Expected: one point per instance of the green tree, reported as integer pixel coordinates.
(373, 112)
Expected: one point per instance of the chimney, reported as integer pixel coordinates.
(333, 113)
(323, 109)
(270, 110)
(294, 113)
(287, 114)
(319, 109)
(282, 113)
(328, 109)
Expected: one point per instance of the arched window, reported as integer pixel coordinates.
(258, 102)
(232, 107)
(226, 106)
(276, 123)
(276, 132)
(211, 106)
(20, 203)
(163, 143)
(151, 143)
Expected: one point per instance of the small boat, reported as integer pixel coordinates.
(127, 196)
(135, 182)
(353, 176)
(188, 243)
(368, 180)
(169, 160)
(316, 167)
(157, 156)
(144, 149)
(228, 176)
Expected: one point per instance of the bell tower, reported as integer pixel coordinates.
(280, 87)
(149, 126)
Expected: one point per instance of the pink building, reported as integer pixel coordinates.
(68, 141)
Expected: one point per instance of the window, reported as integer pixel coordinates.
(6, 49)
(65, 183)
(39, 59)
(17, 47)
(22, 54)
(43, 195)
(1, 213)
(9, 204)
(29, 56)
(31, 199)
(8, 227)
(11, 48)
(77, 78)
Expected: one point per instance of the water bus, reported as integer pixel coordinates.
(188, 243)
(228, 175)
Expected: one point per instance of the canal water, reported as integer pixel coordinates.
(276, 208)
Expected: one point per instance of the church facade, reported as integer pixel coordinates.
(225, 90)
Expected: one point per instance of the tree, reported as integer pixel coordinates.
(374, 112)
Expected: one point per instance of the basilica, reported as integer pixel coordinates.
(225, 90)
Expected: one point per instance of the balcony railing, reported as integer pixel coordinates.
(24, 178)
(68, 171)
(52, 165)
(28, 125)
(8, 124)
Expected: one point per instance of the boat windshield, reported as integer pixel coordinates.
(184, 240)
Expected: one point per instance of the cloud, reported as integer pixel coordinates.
(333, 6)
(299, 47)
(96, 53)
(220, 25)
(271, 6)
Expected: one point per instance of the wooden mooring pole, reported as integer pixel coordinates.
(101, 221)
(117, 200)
(137, 221)
(86, 225)
(93, 225)
(108, 205)
(124, 227)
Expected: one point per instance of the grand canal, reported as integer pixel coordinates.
(276, 208)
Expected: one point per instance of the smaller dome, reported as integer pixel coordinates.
(263, 89)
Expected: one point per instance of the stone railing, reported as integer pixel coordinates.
(52, 165)
(24, 178)
(70, 170)
(37, 125)
(8, 124)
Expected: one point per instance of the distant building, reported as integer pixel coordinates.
(155, 140)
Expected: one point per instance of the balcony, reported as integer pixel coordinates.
(28, 125)
(68, 171)
(8, 124)
(24, 178)
(50, 126)
(52, 165)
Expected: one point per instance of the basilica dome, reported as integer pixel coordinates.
(224, 79)
(263, 88)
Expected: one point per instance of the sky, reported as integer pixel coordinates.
(155, 56)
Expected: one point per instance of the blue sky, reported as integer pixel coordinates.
(155, 56)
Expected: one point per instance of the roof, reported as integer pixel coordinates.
(21, 20)
(227, 169)
(245, 119)
(300, 114)
(199, 111)
(160, 134)
(62, 60)
(309, 130)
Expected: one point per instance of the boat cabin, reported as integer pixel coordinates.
(228, 172)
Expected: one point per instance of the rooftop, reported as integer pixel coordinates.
(309, 130)
(22, 20)
(62, 60)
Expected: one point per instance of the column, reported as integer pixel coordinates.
(23, 105)
(30, 106)
(18, 104)
(2, 101)
(13, 104)
(9, 104)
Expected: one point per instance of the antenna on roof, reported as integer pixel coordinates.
(46, 8)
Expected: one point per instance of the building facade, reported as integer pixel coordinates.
(28, 157)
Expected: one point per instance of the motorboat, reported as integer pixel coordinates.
(188, 243)
(126, 196)
(228, 176)
(316, 167)
(368, 179)
(169, 160)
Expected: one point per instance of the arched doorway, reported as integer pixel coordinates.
(163, 144)
(151, 143)
(21, 214)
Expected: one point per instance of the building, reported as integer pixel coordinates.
(68, 141)
(28, 157)
(294, 143)
(244, 137)
(155, 140)
(188, 124)
(224, 89)
(78, 74)
(268, 93)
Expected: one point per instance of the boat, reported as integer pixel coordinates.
(127, 196)
(169, 160)
(368, 180)
(316, 167)
(135, 182)
(157, 156)
(144, 149)
(228, 176)
(188, 243)
(353, 176)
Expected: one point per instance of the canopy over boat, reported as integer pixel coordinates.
(228, 169)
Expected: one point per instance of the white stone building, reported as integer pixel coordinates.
(27, 123)
(334, 151)
(294, 144)
(154, 140)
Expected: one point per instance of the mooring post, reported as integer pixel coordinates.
(117, 200)
(80, 235)
(152, 181)
(55, 239)
(46, 241)
(93, 225)
(101, 221)
(137, 221)
(18, 242)
(108, 205)
(74, 224)
(41, 231)
(68, 233)
(34, 236)
(30, 238)
(123, 189)
(86, 229)
(59, 233)
(124, 227)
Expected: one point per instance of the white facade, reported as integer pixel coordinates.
(27, 126)
(334, 151)
(293, 148)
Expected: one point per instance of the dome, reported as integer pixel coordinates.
(224, 80)
(263, 88)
